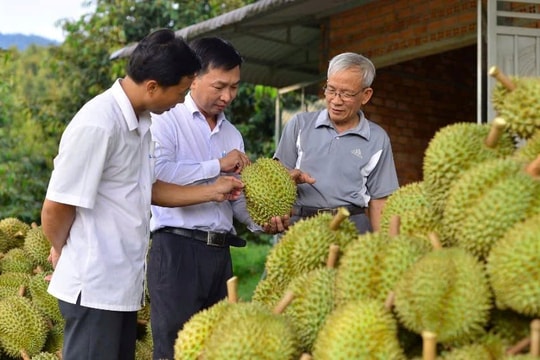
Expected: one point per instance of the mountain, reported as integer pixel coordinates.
(22, 41)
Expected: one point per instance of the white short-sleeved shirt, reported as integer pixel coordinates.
(350, 168)
(104, 167)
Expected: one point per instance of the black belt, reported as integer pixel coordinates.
(211, 238)
(308, 211)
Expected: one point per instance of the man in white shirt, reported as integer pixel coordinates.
(97, 208)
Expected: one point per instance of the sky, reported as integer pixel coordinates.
(38, 17)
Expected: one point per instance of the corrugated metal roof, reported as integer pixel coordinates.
(280, 40)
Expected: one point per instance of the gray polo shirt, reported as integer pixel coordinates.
(350, 168)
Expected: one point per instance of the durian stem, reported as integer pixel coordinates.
(435, 241)
(502, 78)
(519, 347)
(232, 290)
(389, 302)
(284, 302)
(22, 290)
(306, 356)
(535, 337)
(332, 256)
(341, 215)
(34, 225)
(533, 168)
(395, 224)
(429, 345)
(497, 128)
(24, 354)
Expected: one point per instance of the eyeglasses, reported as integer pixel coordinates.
(345, 96)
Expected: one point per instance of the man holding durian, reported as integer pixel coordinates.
(349, 156)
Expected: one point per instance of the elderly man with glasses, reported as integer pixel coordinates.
(349, 156)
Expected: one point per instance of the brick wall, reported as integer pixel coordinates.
(425, 54)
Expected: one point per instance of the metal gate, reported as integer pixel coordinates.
(513, 40)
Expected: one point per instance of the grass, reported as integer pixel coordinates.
(248, 266)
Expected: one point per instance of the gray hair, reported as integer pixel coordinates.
(349, 60)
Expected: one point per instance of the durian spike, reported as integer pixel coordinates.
(284, 302)
(502, 78)
(332, 256)
(533, 168)
(435, 241)
(341, 215)
(395, 224)
(306, 356)
(429, 345)
(59, 354)
(497, 128)
(535, 338)
(519, 347)
(389, 302)
(232, 290)
(24, 355)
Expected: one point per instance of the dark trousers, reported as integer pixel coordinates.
(93, 334)
(184, 276)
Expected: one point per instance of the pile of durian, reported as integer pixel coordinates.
(453, 273)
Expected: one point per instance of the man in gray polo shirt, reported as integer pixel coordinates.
(349, 156)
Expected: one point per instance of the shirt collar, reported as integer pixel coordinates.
(362, 129)
(143, 122)
(194, 110)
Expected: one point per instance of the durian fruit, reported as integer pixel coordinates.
(16, 260)
(55, 339)
(411, 204)
(533, 342)
(15, 231)
(269, 189)
(517, 102)
(486, 201)
(250, 331)
(513, 270)
(22, 326)
(454, 149)
(530, 149)
(38, 247)
(489, 347)
(13, 283)
(509, 326)
(372, 264)
(191, 339)
(45, 302)
(45, 356)
(445, 292)
(361, 329)
(313, 300)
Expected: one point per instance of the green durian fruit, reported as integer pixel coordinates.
(528, 151)
(191, 339)
(55, 339)
(13, 283)
(251, 331)
(277, 265)
(22, 327)
(44, 301)
(313, 236)
(513, 270)
(15, 231)
(509, 326)
(16, 260)
(445, 292)
(518, 106)
(313, 301)
(268, 292)
(269, 189)
(38, 247)
(416, 213)
(372, 264)
(45, 356)
(454, 149)
(143, 351)
(358, 330)
(478, 214)
(489, 347)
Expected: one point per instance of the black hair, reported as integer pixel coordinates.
(163, 57)
(216, 52)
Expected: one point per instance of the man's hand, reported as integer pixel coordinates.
(300, 177)
(277, 224)
(227, 188)
(234, 162)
